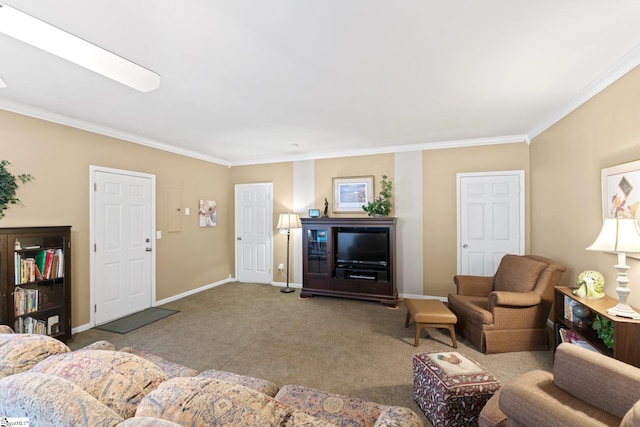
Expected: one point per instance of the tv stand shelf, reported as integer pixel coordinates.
(323, 274)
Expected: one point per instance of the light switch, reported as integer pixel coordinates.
(186, 211)
(158, 234)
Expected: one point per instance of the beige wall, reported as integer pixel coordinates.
(566, 162)
(439, 199)
(59, 158)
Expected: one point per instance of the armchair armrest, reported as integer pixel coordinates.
(474, 286)
(513, 299)
(576, 370)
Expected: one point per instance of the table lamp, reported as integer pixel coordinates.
(620, 235)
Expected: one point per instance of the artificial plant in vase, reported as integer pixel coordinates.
(9, 185)
(381, 205)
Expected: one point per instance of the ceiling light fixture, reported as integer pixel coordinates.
(35, 32)
(2, 83)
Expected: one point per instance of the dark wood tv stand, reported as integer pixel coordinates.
(323, 275)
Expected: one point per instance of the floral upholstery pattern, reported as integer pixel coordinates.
(337, 409)
(147, 422)
(19, 352)
(210, 401)
(396, 416)
(170, 368)
(4, 329)
(39, 397)
(100, 345)
(258, 384)
(118, 380)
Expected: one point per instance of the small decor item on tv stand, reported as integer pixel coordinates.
(326, 208)
(381, 205)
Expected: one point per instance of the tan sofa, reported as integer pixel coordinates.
(507, 311)
(43, 380)
(585, 389)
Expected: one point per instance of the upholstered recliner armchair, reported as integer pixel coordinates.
(509, 311)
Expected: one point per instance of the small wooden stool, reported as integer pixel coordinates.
(430, 313)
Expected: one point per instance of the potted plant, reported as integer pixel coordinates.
(9, 185)
(604, 328)
(381, 205)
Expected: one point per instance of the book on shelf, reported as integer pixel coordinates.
(51, 322)
(572, 337)
(569, 303)
(25, 301)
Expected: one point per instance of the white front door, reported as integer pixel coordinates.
(490, 220)
(122, 243)
(254, 224)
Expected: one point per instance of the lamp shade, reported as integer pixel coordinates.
(287, 221)
(618, 235)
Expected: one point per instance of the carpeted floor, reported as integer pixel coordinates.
(351, 347)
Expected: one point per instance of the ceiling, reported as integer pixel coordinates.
(254, 81)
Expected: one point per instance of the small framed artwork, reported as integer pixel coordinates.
(350, 193)
(207, 213)
(621, 190)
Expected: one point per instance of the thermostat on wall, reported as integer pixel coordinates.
(314, 213)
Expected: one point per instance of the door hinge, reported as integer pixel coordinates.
(95, 186)
(95, 247)
(95, 308)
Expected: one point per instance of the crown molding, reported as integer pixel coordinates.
(613, 73)
(438, 145)
(38, 113)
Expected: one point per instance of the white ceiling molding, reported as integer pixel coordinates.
(60, 119)
(622, 67)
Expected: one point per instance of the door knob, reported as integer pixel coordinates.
(148, 249)
(465, 246)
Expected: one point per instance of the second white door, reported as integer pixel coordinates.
(254, 224)
(490, 220)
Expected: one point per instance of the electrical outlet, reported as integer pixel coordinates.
(281, 267)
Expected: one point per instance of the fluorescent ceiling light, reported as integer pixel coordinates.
(44, 36)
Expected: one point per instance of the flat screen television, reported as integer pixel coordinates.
(362, 247)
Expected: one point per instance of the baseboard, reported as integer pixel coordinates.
(283, 284)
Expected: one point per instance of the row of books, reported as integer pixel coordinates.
(29, 325)
(46, 264)
(25, 301)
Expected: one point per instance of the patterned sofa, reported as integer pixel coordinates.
(43, 380)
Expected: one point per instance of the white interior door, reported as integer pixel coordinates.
(123, 243)
(254, 224)
(490, 220)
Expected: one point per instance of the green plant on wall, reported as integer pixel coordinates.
(604, 327)
(381, 205)
(9, 185)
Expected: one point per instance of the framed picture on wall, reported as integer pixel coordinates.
(350, 193)
(621, 190)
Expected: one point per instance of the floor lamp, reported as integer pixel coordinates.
(288, 221)
(620, 235)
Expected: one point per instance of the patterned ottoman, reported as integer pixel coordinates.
(450, 388)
